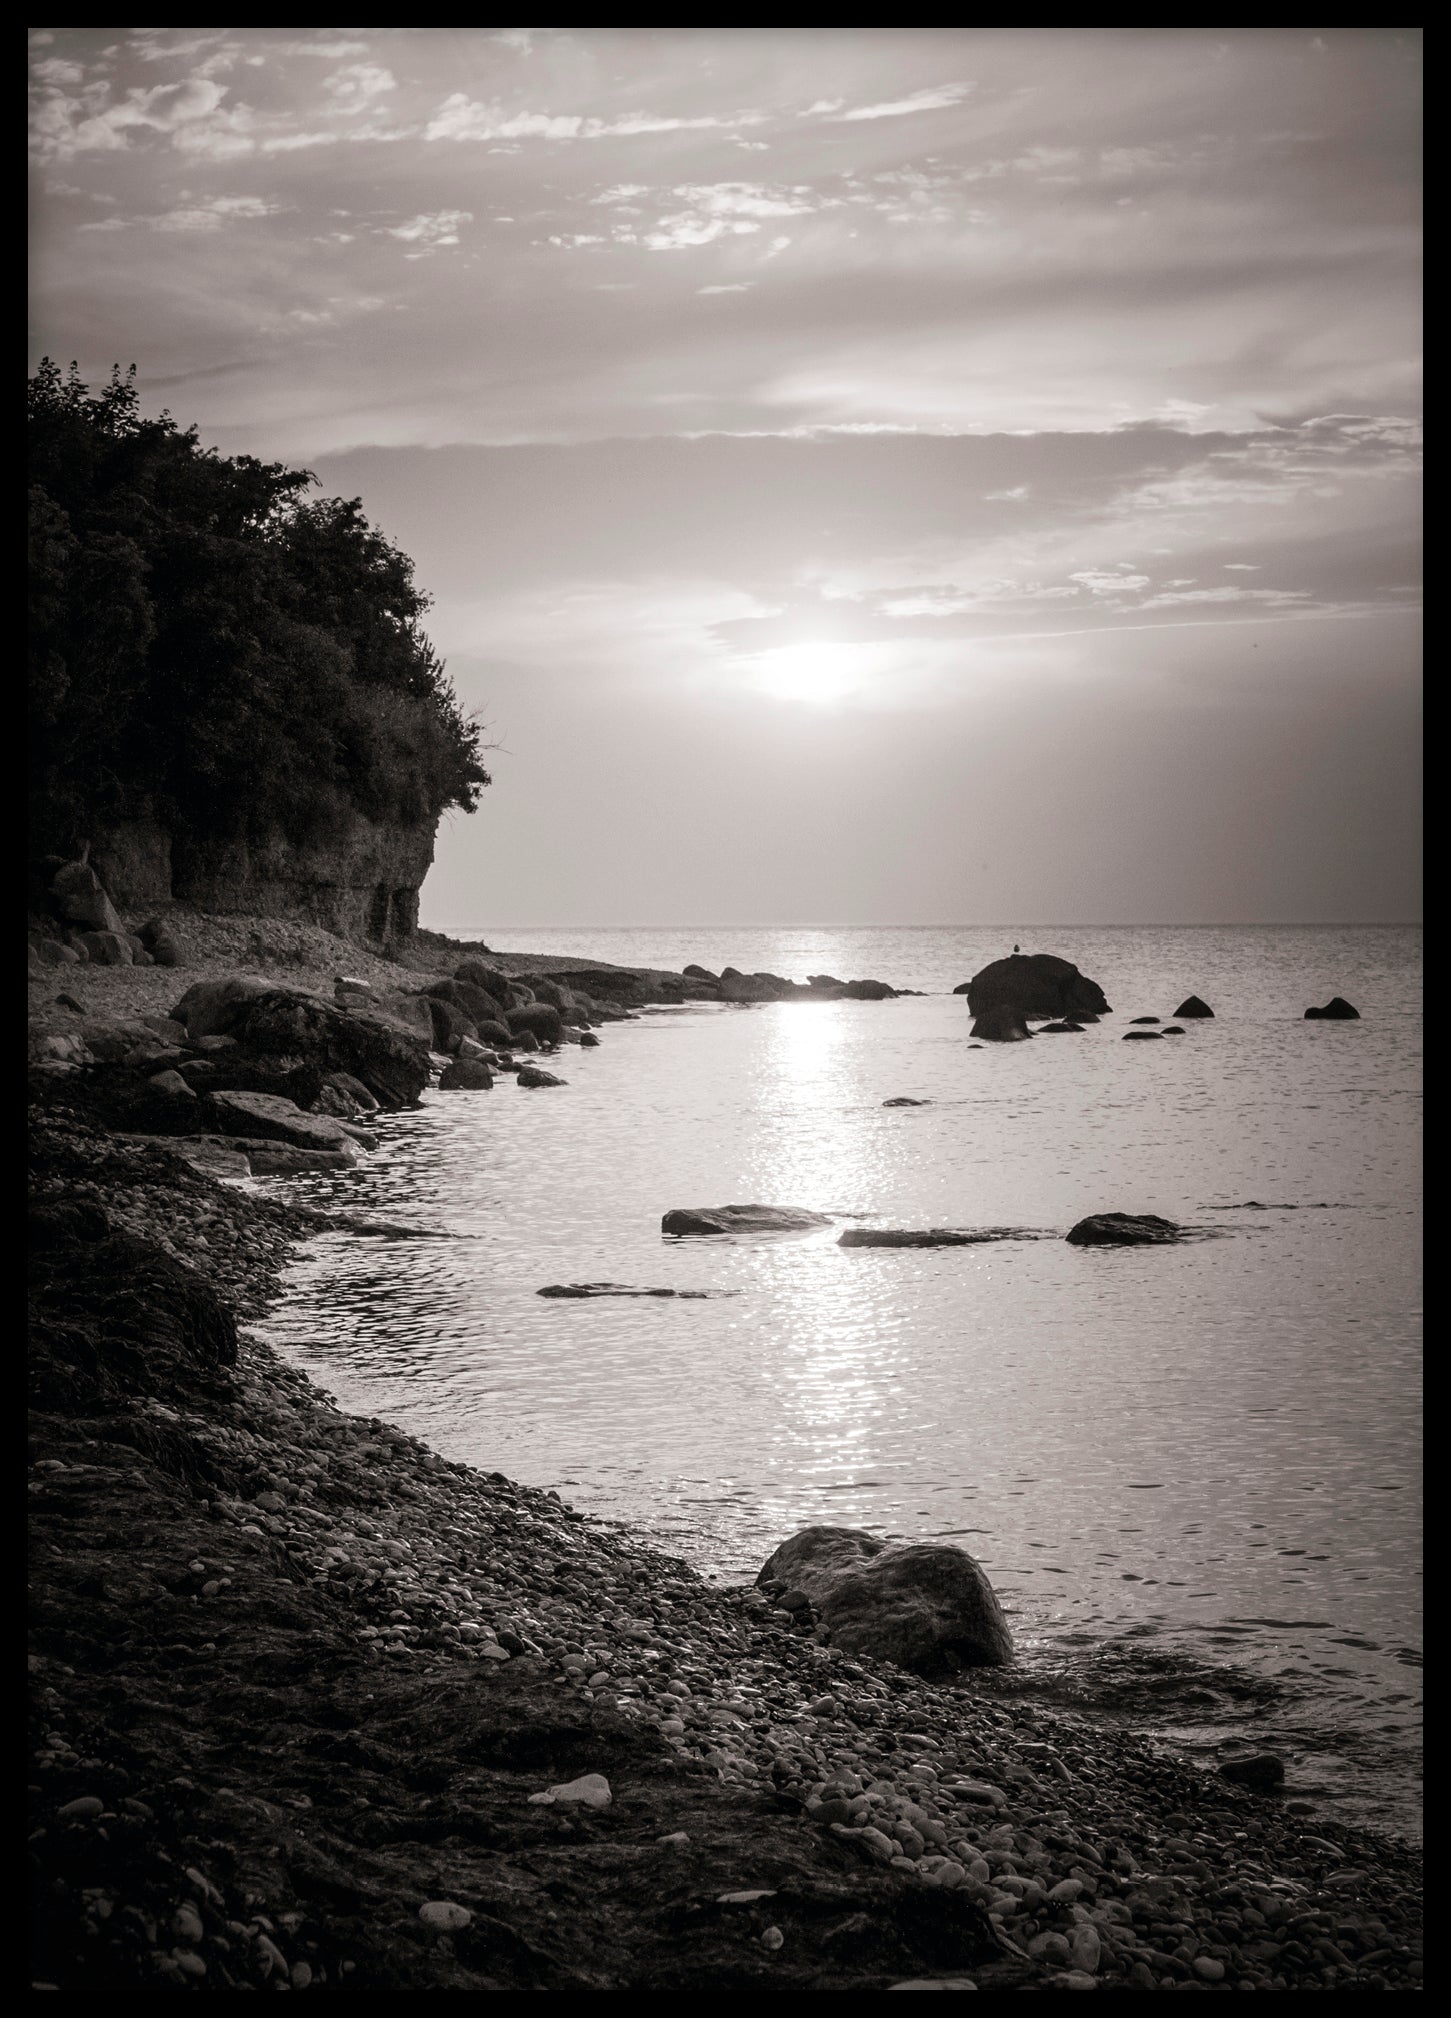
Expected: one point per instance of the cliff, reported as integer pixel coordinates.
(363, 882)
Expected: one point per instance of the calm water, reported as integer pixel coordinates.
(1191, 1473)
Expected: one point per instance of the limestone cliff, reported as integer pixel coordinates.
(364, 882)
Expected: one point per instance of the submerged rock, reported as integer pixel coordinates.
(1035, 984)
(1193, 1006)
(929, 1236)
(1056, 1029)
(535, 1075)
(927, 1606)
(1123, 1229)
(742, 1219)
(1143, 1019)
(583, 1289)
(1263, 1772)
(1336, 1010)
(275, 1118)
(906, 1100)
(1141, 1035)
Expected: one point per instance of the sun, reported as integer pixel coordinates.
(813, 672)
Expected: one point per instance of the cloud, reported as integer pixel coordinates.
(439, 228)
(354, 88)
(460, 117)
(936, 98)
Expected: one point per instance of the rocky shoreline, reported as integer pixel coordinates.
(299, 1685)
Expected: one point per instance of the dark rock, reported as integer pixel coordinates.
(355, 1090)
(1035, 984)
(824, 981)
(540, 1019)
(172, 1083)
(290, 1159)
(53, 953)
(392, 1066)
(584, 1289)
(1123, 1229)
(1260, 1771)
(79, 896)
(926, 1606)
(1143, 1019)
(741, 1219)
(1171, 1030)
(70, 1002)
(1055, 1029)
(1141, 1035)
(214, 1008)
(274, 1119)
(495, 1031)
(699, 974)
(466, 1075)
(450, 1025)
(1192, 1006)
(588, 1039)
(532, 1075)
(906, 1100)
(107, 949)
(552, 993)
(928, 1236)
(868, 991)
(1000, 1024)
(479, 975)
(524, 1040)
(477, 1004)
(1337, 1010)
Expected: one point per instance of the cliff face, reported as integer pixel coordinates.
(363, 883)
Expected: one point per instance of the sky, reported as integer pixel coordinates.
(863, 475)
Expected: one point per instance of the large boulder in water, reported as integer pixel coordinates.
(1193, 1006)
(926, 1606)
(1337, 1010)
(1123, 1229)
(1035, 984)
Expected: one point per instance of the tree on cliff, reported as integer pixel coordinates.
(215, 650)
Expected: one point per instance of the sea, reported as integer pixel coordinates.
(1191, 1472)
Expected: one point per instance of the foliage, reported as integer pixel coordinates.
(215, 649)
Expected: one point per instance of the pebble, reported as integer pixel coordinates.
(1208, 1969)
(590, 1790)
(446, 1916)
(773, 1939)
(84, 1809)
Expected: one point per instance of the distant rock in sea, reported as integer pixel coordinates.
(1336, 1010)
(1123, 1229)
(1192, 1006)
(711, 1219)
